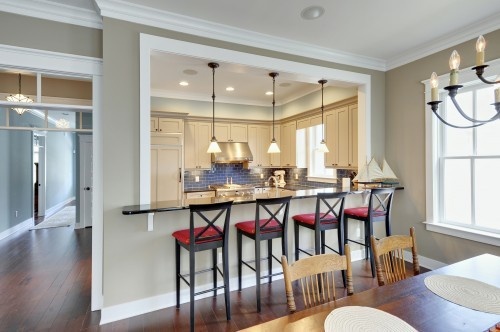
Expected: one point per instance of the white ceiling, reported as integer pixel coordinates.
(378, 35)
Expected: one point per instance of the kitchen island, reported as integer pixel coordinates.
(170, 216)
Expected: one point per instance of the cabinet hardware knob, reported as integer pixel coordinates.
(86, 188)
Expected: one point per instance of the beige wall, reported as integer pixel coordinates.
(135, 260)
(23, 31)
(405, 148)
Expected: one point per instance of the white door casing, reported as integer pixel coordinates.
(85, 181)
(41, 175)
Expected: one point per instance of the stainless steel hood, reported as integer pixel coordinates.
(233, 152)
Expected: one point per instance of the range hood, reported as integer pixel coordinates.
(233, 152)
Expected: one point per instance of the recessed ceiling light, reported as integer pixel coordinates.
(269, 93)
(312, 12)
(190, 72)
(229, 88)
(183, 83)
(285, 84)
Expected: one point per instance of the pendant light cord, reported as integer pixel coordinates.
(273, 75)
(19, 84)
(213, 65)
(322, 82)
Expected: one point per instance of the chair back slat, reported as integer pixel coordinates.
(389, 257)
(316, 277)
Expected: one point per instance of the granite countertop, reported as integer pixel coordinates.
(273, 192)
(184, 203)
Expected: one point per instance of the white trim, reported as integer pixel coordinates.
(68, 65)
(425, 262)
(53, 11)
(153, 303)
(464, 34)
(126, 11)
(464, 233)
(19, 227)
(149, 43)
(54, 209)
(49, 62)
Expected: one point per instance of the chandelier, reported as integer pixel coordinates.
(454, 87)
(19, 98)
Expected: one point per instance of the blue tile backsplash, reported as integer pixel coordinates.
(220, 173)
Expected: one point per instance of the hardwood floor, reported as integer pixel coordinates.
(45, 279)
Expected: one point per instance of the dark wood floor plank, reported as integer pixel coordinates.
(45, 284)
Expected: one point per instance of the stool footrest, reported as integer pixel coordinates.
(209, 290)
(210, 269)
(271, 275)
(360, 243)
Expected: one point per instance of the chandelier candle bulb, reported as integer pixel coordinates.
(480, 46)
(497, 95)
(434, 87)
(454, 65)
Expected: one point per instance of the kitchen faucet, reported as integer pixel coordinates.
(272, 177)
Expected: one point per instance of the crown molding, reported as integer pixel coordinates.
(447, 41)
(51, 11)
(125, 11)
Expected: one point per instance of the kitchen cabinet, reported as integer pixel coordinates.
(231, 132)
(197, 136)
(166, 172)
(341, 134)
(309, 122)
(166, 125)
(259, 138)
(288, 144)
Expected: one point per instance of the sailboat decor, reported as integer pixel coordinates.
(372, 176)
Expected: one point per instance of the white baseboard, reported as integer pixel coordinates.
(58, 206)
(143, 306)
(19, 227)
(428, 263)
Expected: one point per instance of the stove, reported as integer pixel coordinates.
(233, 190)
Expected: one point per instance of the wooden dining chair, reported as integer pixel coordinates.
(316, 275)
(389, 259)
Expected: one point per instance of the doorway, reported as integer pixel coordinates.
(39, 177)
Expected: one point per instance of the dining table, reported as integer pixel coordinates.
(410, 300)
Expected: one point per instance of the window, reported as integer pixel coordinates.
(463, 170)
(309, 157)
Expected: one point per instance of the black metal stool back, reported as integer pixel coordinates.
(208, 230)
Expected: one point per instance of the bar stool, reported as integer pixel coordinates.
(378, 209)
(319, 222)
(267, 225)
(211, 235)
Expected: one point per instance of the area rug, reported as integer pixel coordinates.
(63, 218)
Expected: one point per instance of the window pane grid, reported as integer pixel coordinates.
(469, 161)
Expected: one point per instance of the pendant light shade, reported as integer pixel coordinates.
(214, 146)
(273, 148)
(19, 98)
(322, 145)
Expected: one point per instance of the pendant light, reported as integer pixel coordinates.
(322, 145)
(273, 148)
(19, 98)
(214, 146)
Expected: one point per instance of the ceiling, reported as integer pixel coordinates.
(377, 35)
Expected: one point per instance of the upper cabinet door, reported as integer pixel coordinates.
(222, 132)
(170, 126)
(239, 132)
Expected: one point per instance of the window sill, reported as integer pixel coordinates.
(321, 179)
(464, 233)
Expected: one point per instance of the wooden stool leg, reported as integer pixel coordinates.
(239, 240)
(177, 274)
(270, 260)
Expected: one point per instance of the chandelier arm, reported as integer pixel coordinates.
(486, 81)
(457, 106)
(455, 126)
(479, 72)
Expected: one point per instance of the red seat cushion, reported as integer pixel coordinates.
(309, 218)
(210, 235)
(362, 212)
(249, 226)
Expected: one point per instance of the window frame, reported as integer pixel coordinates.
(432, 149)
